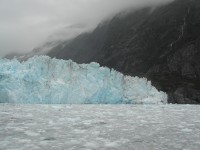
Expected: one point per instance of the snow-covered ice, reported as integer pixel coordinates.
(108, 127)
(43, 80)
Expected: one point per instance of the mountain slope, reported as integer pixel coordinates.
(161, 44)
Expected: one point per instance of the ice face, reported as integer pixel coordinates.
(42, 80)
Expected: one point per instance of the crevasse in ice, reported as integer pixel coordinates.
(42, 80)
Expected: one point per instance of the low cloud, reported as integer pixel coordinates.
(25, 24)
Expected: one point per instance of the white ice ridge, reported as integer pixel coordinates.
(42, 80)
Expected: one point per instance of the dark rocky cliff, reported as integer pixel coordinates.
(162, 44)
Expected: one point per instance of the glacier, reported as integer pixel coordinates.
(45, 80)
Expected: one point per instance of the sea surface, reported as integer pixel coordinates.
(94, 127)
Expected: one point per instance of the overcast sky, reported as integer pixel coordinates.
(25, 24)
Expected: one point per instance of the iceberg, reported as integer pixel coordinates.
(43, 80)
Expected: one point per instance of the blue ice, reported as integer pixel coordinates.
(43, 80)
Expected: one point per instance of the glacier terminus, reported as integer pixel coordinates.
(43, 80)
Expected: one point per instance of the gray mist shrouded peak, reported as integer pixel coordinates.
(25, 24)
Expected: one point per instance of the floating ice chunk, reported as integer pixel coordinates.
(51, 81)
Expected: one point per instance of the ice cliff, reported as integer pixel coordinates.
(42, 80)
